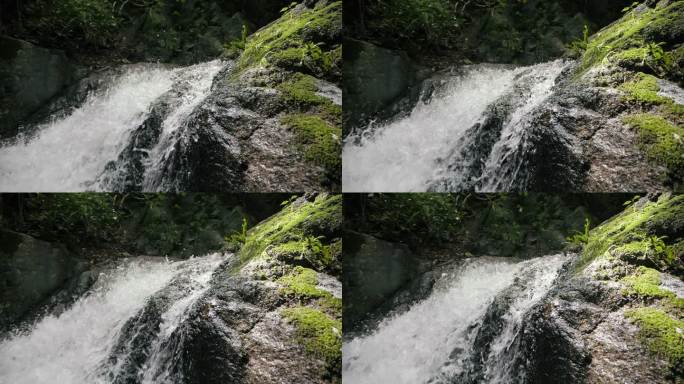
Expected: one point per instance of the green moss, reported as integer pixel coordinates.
(663, 335)
(321, 217)
(308, 58)
(308, 251)
(636, 223)
(651, 251)
(662, 141)
(289, 38)
(644, 89)
(320, 140)
(300, 90)
(645, 282)
(320, 335)
(626, 39)
(301, 282)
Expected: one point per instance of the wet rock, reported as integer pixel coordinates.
(32, 270)
(30, 76)
(367, 90)
(375, 270)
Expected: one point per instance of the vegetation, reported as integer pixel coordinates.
(630, 234)
(301, 40)
(320, 335)
(509, 224)
(297, 222)
(168, 30)
(521, 31)
(661, 140)
(632, 41)
(661, 334)
(154, 224)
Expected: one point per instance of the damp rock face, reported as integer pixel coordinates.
(30, 76)
(615, 313)
(32, 270)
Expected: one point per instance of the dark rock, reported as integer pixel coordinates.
(31, 271)
(366, 90)
(30, 76)
(375, 270)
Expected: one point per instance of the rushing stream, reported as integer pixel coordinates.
(434, 341)
(439, 145)
(96, 339)
(78, 152)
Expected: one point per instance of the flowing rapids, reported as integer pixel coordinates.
(71, 153)
(413, 153)
(76, 346)
(434, 340)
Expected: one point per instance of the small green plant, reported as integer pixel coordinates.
(579, 46)
(658, 243)
(580, 238)
(238, 238)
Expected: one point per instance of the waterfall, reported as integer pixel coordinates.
(77, 346)
(435, 340)
(75, 152)
(442, 143)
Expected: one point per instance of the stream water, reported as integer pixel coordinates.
(90, 342)
(435, 142)
(434, 340)
(72, 153)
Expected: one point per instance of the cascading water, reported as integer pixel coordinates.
(436, 141)
(77, 346)
(433, 341)
(71, 153)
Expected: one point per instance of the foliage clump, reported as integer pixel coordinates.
(298, 220)
(662, 334)
(320, 335)
(639, 222)
(661, 140)
(630, 42)
(302, 39)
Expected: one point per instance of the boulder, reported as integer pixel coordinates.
(30, 76)
(31, 271)
(368, 90)
(375, 270)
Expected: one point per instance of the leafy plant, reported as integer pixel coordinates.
(578, 47)
(238, 238)
(581, 238)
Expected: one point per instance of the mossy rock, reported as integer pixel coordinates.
(319, 334)
(320, 141)
(639, 222)
(302, 39)
(661, 334)
(662, 141)
(319, 217)
(642, 32)
(645, 282)
(650, 252)
(308, 252)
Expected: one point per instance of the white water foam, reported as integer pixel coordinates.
(70, 153)
(70, 348)
(434, 336)
(405, 155)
